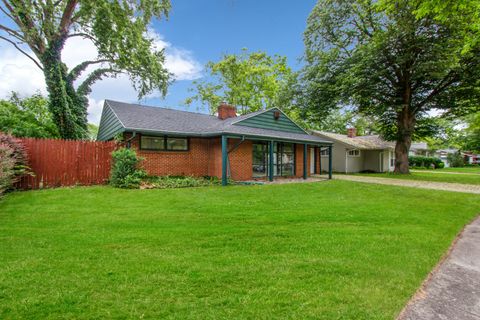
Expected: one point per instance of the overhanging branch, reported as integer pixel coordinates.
(22, 51)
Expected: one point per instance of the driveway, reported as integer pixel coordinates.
(446, 186)
(452, 290)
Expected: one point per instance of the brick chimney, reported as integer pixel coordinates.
(226, 111)
(351, 132)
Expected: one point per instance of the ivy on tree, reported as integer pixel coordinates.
(392, 60)
(118, 29)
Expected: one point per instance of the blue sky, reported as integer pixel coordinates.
(209, 29)
(195, 33)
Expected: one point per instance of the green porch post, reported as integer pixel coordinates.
(224, 161)
(329, 162)
(305, 154)
(270, 161)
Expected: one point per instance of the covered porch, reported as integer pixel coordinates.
(272, 157)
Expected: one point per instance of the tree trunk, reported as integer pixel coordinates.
(67, 108)
(405, 129)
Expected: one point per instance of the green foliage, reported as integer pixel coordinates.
(339, 120)
(27, 117)
(471, 140)
(125, 171)
(455, 159)
(119, 31)
(250, 81)
(92, 131)
(13, 161)
(390, 65)
(7, 164)
(425, 162)
(165, 182)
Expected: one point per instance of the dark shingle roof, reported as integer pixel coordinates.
(135, 117)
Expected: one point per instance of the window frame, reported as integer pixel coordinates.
(327, 152)
(165, 138)
(354, 155)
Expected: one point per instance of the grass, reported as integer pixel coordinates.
(428, 176)
(327, 250)
(461, 170)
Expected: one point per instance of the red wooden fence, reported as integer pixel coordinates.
(58, 163)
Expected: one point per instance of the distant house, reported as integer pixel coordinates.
(420, 149)
(261, 145)
(352, 153)
(471, 158)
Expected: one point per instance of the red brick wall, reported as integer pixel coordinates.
(204, 157)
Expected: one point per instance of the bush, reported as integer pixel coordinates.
(425, 162)
(125, 172)
(19, 155)
(7, 165)
(455, 159)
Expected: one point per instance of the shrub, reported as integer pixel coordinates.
(17, 155)
(7, 165)
(425, 162)
(455, 159)
(125, 172)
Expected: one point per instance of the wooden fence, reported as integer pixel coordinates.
(58, 163)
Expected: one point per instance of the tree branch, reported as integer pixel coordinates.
(66, 19)
(85, 87)
(75, 72)
(22, 51)
(12, 32)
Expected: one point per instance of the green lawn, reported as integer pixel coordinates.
(428, 176)
(327, 250)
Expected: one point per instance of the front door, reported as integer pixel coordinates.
(312, 160)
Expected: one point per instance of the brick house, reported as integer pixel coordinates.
(261, 145)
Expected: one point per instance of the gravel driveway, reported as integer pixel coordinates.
(447, 186)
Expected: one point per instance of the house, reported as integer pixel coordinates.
(471, 158)
(352, 153)
(420, 149)
(260, 145)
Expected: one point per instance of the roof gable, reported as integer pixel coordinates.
(110, 125)
(267, 120)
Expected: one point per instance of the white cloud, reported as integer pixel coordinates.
(18, 73)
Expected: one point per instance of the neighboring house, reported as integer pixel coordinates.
(442, 154)
(420, 149)
(471, 158)
(260, 145)
(352, 153)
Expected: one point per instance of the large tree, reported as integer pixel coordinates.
(118, 29)
(391, 63)
(249, 80)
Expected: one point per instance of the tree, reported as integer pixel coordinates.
(251, 81)
(389, 64)
(471, 142)
(27, 117)
(339, 120)
(118, 29)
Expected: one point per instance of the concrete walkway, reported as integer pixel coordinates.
(446, 186)
(452, 290)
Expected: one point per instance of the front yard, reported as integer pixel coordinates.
(328, 250)
(431, 175)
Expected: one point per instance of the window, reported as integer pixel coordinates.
(152, 143)
(163, 143)
(354, 153)
(392, 159)
(283, 159)
(324, 152)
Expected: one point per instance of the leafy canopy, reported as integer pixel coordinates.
(27, 117)
(119, 31)
(391, 62)
(251, 81)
